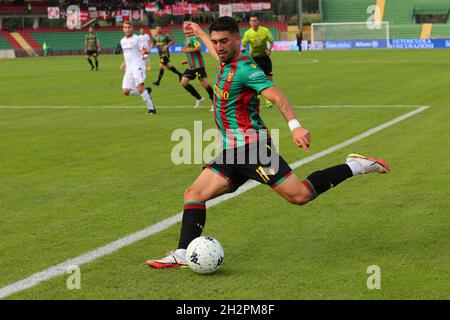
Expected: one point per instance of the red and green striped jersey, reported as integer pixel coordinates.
(160, 41)
(236, 103)
(195, 59)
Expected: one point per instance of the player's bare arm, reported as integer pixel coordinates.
(301, 136)
(193, 29)
(269, 51)
(196, 49)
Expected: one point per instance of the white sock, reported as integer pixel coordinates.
(148, 101)
(181, 253)
(133, 92)
(355, 167)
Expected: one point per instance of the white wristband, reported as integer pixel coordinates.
(294, 124)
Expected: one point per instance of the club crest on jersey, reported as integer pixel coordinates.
(230, 76)
(253, 65)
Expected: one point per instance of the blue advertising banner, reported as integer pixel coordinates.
(346, 44)
(381, 43)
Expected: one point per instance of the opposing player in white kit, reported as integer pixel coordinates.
(145, 39)
(133, 80)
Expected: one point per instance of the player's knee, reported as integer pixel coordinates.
(298, 199)
(192, 194)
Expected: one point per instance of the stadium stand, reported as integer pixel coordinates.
(345, 10)
(441, 31)
(74, 40)
(65, 40)
(399, 13)
(4, 44)
(9, 39)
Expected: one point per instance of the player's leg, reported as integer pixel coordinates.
(95, 55)
(207, 186)
(301, 192)
(173, 69)
(128, 86)
(88, 57)
(144, 92)
(187, 76)
(161, 73)
(205, 84)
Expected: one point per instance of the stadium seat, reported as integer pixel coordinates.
(4, 44)
(345, 10)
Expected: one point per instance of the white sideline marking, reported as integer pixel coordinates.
(90, 256)
(192, 107)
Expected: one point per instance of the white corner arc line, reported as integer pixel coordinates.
(60, 269)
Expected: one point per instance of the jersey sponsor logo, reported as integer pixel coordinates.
(230, 76)
(256, 74)
(222, 94)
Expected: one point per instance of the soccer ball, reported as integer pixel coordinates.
(204, 255)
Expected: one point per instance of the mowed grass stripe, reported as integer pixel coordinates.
(60, 269)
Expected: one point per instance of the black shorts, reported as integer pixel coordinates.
(92, 53)
(265, 64)
(165, 59)
(256, 162)
(191, 74)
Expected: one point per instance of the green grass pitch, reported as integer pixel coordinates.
(75, 179)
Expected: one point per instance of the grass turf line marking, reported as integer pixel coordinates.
(90, 256)
(191, 107)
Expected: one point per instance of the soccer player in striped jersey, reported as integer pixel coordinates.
(163, 41)
(248, 152)
(92, 48)
(196, 69)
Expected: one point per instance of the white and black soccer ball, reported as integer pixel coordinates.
(204, 255)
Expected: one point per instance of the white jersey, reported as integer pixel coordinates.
(132, 47)
(145, 38)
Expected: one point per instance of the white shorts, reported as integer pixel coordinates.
(133, 78)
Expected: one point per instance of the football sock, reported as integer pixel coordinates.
(148, 101)
(210, 93)
(194, 218)
(174, 70)
(189, 88)
(160, 75)
(181, 253)
(90, 62)
(133, 92)
(320, 181)
(96, 64)
(355, 167)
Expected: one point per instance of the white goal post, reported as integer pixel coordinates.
(351, 31)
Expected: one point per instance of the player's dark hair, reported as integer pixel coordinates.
(224, 24)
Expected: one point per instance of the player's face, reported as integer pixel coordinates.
(91, 30)
(158, 30)
(227, 45)
(141, 31)
(128, 30)
(254, 22)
